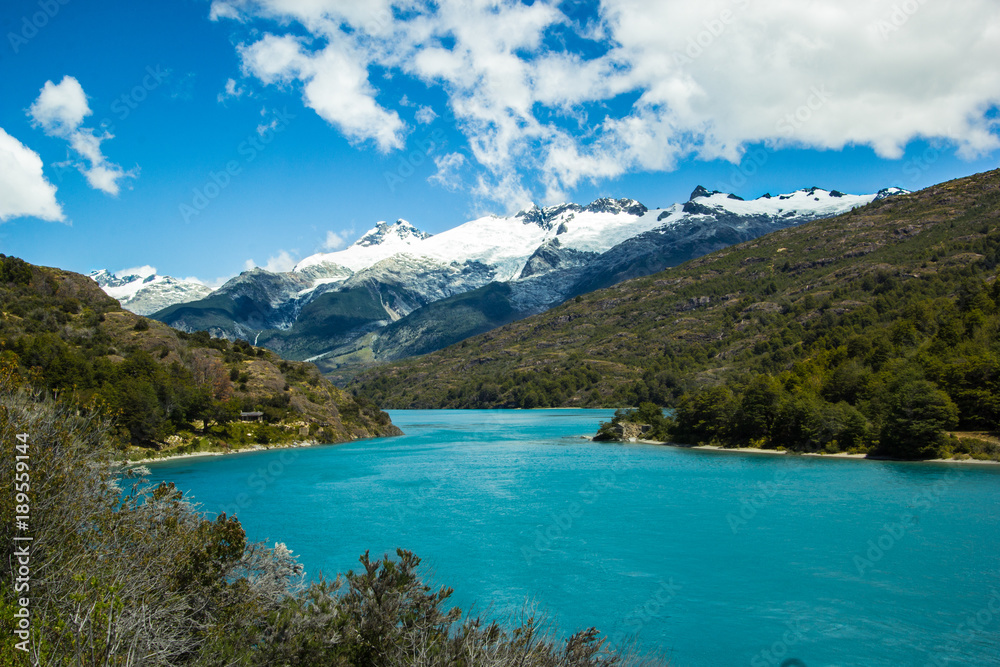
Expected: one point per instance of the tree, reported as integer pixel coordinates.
(919, 414)
(758, 408)
(705, 415)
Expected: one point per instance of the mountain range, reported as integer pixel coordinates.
(860, 308)
(399, 292)
(146, 292)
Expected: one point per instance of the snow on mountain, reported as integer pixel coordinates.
(378, 243)
(145, 292)
(336, 305)
(814, 202)
(502, 243)
(505, 244)
(890, 192)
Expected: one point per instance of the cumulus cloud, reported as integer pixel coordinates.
(144, 271)
(24, 190)
(334, 241)
(59, 111)
(546, 101)
(280, 263)
(334, 84)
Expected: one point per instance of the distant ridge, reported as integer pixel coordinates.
(146, 292)
(398, 291)
(788, 297)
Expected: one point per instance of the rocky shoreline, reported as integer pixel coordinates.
(231, 452)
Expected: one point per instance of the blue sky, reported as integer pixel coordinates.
(203, 137)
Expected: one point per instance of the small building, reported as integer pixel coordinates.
(251, 416)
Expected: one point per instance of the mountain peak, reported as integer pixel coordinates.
(383, 232)
(144, 292)
(616, 206)
(545, 216)
(890, 192)
(702, 191)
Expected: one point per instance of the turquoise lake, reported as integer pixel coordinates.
(712, 558)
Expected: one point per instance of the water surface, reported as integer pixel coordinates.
(715, 558)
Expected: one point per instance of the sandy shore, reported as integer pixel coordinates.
(733, 450)
(773, 452)
(244, 450)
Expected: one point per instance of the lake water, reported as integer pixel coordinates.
(713, 558)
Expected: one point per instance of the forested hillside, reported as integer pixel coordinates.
(165, 389)
(834, 335)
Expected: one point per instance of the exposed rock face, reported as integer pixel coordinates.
(624, 432)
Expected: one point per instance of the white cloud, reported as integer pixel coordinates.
(232, 90)
(425, 115)
(280, 263)
(59, 111)
(334, 241)
(705, 79)
(24, 190)
(145, 271)
(448, 166)
(334, 84)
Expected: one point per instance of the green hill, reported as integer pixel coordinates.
(895, 299)
(168, 390)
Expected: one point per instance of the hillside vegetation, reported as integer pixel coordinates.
(873, 331)
(166, 390)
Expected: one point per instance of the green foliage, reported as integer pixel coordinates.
(62, 332)
(705, 415)
(648, 414)
(918, 414)
(14, 270)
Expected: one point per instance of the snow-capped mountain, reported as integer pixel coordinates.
(146, 292)
(399, 291)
